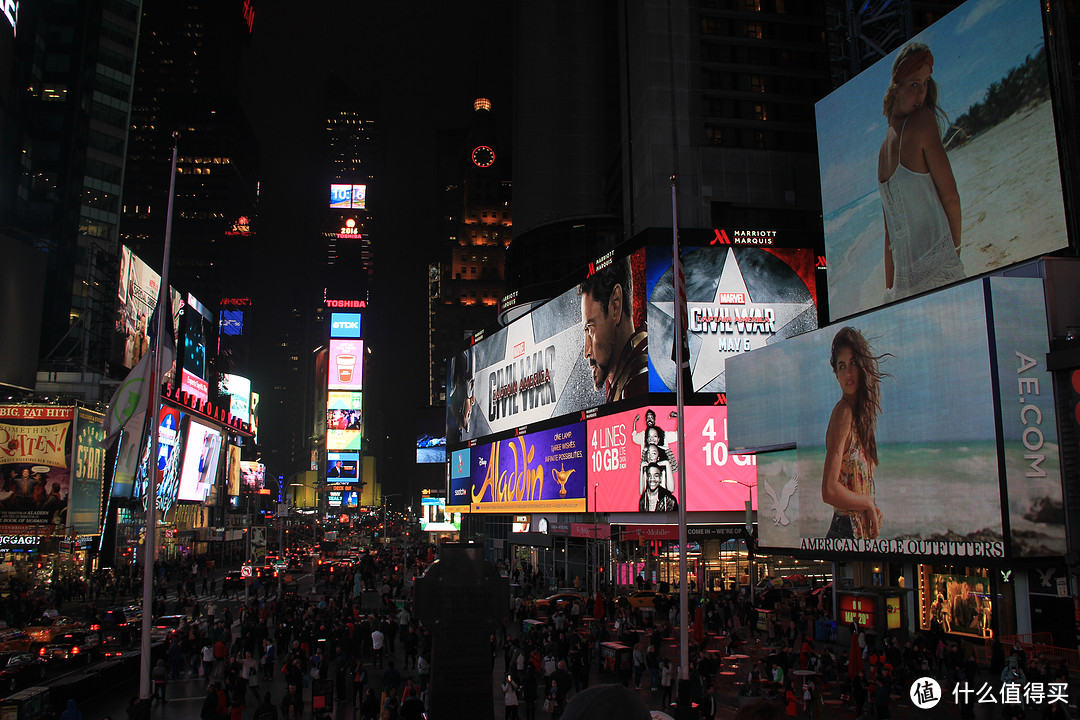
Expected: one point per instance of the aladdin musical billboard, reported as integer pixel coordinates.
(633, 462)
(741, 294)
(585, 348)
(896, 451)
(927, 187)
(544, 471)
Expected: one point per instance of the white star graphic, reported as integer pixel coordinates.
(710, 347)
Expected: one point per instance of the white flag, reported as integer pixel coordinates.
(131, 401)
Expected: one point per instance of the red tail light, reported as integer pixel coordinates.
(95, 627)
(75, 650)
(41, 651)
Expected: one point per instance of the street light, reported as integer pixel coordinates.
(749, 531)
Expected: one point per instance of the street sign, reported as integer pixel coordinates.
(245, 571)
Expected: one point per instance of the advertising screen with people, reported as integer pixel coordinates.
(199, 468)
(940, 162)
(886, 427)
(584, 348)
(633, 462)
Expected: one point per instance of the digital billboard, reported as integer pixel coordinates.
(348, 197)
(914, 389)
(345, 325)
(917, 199)
(87, 475)
(35, 464)
(344, 421)
(343, 467)
(137, 293)
(238, 389)
(538, 472)
(252, 476)
(584, 348)
(191, 347)
(199, 469)
(346, 365)
(430, 449)
(738, 297)
(435, 518)
(165, 461)
(232, 470)
(460, 478)
(628, 448)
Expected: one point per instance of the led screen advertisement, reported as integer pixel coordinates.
(342, 467)
(199, 469)
(936, 486)
(628, 449)
(194, 321)
(988, 64)
(165, 461)
(344, 421)
(563, 357)
(232, 478)
(435, 518)
(137, 294)
(35, 465)
(238, 389)
(345, 325)
(348, 197)
(346, 365)
(538, 472)
(460, 478)
(252, 476)
(87, 475)
(739, 298)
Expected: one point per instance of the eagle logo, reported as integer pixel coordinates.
(779, 505)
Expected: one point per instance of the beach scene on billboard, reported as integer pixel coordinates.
(738, 298)
(959, 177)
(541, 471)
(586, 347)
(892, 423)
(1032, 452)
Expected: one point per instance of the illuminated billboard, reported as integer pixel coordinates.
(137, 294)
(348, 197)
(346, 365)
(191, 348)
(344, 421)
(345, 325)
(936, 486)
(917, 200)
(460, 478)
(628, 449)
(739, 298)
(342, 467)
(430, 449)
(166, 461)
(562, 357)
(435, 518)
(252, 476)
(238, 390)
(199, 469)
(232, 471)
(538, 472)
(36, 464)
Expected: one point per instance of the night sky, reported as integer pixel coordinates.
(423, 63)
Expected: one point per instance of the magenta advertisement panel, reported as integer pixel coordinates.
(346, 365)
(628, 447)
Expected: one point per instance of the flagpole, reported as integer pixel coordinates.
(679, 284)
(149, 541)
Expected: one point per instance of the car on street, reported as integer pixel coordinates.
(80, 645)
(14, 640)
(120, 625)
(44, 629)
(645, 598)
(20, 670)
(166, 625)
(560, 601)
(232, 583)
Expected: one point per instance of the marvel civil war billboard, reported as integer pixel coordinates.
(745, 289)
(584, 348)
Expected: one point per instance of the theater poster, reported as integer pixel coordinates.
(35, 463)
(544, 471)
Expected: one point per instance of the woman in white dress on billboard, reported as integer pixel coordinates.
(915, 181)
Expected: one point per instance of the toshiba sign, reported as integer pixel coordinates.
(346, 303)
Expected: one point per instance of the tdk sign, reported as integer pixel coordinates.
(344, 325)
